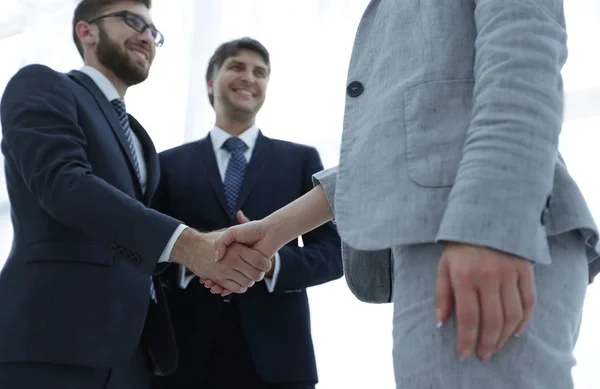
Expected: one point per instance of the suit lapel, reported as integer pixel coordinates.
(150, 156)
(108, 111)
(260, 156)
(207, 160)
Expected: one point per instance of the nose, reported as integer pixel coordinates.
(248, 77)
(146, 37)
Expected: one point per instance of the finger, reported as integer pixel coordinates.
(241, 217)
(247, 261)
(227, 286)
(234, 287)
(223, 241)
(247, 234)
(237, 270)
(513, 311)
(527, 289)
(492, 316)
(467, 314)
(256, 260)
(443, 294)
(241, 278)
(208, 283)
(225, 293)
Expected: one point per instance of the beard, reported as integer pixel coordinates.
(115, 58)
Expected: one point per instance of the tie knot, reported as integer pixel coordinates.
(119, 106)
(234, 145)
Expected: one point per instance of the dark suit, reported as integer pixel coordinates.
(259, 337)
(75, 288)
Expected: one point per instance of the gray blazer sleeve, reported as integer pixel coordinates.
(327, 179)
(506, 172)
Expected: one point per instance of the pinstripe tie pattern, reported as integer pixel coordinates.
(119, 106)
(120, 109)
(234, 175)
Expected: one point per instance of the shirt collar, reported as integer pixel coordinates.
(103, 83)
(218, 137)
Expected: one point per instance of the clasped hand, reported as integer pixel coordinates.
(238, 269)
(252, 236)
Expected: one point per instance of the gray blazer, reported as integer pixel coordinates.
(451, 127)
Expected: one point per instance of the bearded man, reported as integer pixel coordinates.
(79, 305)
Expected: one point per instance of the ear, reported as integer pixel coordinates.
(87, 33)
(210, 86)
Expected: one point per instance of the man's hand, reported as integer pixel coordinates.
(239, 270)
(217, 289)
(493, 292)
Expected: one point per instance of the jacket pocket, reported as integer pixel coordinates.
(436, 118)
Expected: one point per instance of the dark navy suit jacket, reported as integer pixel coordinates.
(75, 287)
(277, 325)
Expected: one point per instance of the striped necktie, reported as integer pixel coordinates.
(120, 109)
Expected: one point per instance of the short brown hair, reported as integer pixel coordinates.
(89, 9)
(231, 49)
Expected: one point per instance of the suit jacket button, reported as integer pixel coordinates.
(355, 89)
(135, 258)
(113, 247)
(121, 251)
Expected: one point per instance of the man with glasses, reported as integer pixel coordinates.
(79, 307)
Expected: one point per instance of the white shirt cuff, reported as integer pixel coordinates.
(166, 254)
(271, 281)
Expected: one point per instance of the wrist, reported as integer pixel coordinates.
(192, 244)
(278, 230)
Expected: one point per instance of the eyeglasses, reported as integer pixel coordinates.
(136, 22)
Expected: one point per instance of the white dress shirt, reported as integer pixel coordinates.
(111, 93)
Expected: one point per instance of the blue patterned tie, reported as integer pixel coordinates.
(234, 175)
(119, 106)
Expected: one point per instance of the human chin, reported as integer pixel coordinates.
(140, 58)
(131, 72)
(246, 103)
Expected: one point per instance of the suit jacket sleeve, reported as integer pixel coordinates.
(320, 259)
(42, 136)
(327, 179)
(507, 168)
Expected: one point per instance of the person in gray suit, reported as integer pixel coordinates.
(451, 197)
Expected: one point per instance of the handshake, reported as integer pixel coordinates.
(229, 260)
(232, 260)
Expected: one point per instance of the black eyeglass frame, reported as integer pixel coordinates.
(136, 22)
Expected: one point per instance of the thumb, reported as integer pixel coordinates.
(444, 296)
(241, 217)
(223, 241)
(247, 234)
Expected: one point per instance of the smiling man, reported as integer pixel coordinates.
(260, 339)
(79, 308)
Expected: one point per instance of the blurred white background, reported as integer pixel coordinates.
(310, 43)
